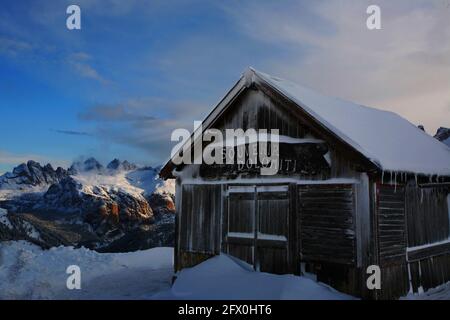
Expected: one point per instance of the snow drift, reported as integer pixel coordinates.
(28, 272)
(224, 278)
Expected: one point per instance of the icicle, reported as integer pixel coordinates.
(420, 289)
(421, 195)
(395, 182)
(415, 176)
(382, 176)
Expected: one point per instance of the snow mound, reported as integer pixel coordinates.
(441, 292)
(28, 272)
(223, 278)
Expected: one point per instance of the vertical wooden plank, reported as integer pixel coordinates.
(363, 220)
(363, 230)
(178, 212)
(256, 264)
(224, 219)
(374, 223)
(294, 252)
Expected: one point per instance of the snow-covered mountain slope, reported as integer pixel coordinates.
(138, 182)
(28, 272)
(119, 176)
(29, 177)
(117, 204)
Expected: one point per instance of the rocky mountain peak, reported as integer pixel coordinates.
(33, 174)
(118, 165)
(89, 165)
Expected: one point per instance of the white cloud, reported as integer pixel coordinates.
(81, 64)
(405, 67)
(132, 123)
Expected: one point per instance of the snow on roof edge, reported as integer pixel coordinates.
(274, 82)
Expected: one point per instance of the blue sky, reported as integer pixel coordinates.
(138, 69)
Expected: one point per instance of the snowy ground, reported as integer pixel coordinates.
(223, 278)
(439, 293)
(28, 272)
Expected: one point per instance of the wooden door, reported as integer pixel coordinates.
(258, 226)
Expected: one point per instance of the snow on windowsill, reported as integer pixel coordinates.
(428, 245)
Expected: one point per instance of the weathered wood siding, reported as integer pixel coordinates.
(200, 219)
(240, 219)
(327, 229)
(274, 220)
(257, 227)
(427, 215)
(391, 225)
(430, 272)
(408, 217)
(253, 109)
(428, 222)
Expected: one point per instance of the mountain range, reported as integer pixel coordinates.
(120, 207)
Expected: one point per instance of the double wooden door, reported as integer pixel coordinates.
(257, 226)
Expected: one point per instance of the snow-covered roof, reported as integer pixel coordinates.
(384, 137)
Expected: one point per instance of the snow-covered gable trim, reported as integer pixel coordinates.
(243, 83)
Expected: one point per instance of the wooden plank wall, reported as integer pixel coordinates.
(258, 227)
(391, 225)
(200, 223)
(274, 219)
(253, 109)
(327, 229)
(391, 241)
(408, 216)
(427, 215)
(430, 272)
(239, 218)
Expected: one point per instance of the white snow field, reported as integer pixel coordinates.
(28, 272)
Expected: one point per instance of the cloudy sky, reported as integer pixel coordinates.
(138, 69)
